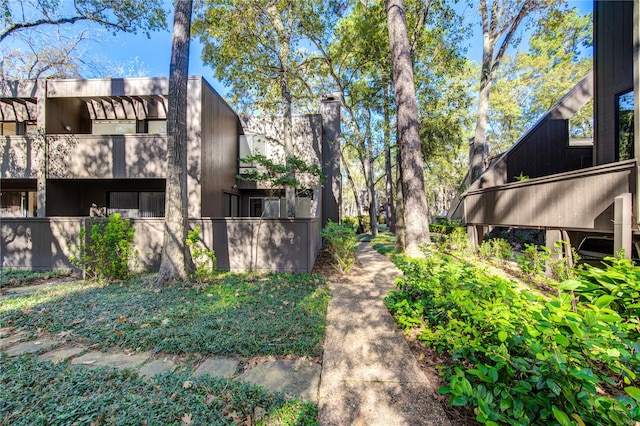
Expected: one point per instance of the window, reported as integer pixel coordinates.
(269, 206)
(581, 126)
(8, 128)
(625, 134)
(137, 204)
(157, 127)
(231, 203)
(113, 127)
(18, 203)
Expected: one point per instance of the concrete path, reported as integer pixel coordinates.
(369, 375)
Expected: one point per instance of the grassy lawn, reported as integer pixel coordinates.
(240, 315)
(11, 278)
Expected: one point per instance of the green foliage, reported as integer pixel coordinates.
(618, 283)
(517, 358)
(239, 315)
(456, 240)
(445, 226)
(496, 248)
(341, 243)
(561, 270)
(35, 392)
(205, 260)
(110, 253)
(275, 174)
(521, 177)
(533, 261)
(20, 277)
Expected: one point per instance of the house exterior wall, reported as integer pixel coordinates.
(614, 64)
(220, 128)
(545, 148)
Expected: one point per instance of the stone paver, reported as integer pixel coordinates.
(157, 366)
(369, 375)
(61, 355)
(296, 377)
(118, 360)
(10, 340)
(31, 347)
(218, 367)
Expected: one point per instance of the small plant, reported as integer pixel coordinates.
(496, 248)
(457, 240)
(110, 254)
(521, 177)
(562, 269)
(341, 242)
(204, 259)
(533, 261)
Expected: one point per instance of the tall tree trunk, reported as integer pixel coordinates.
(480, 150)
(492, 31)
(352, 184)
(390, 209)
(367, 162)
(400, 223)
(284, 46)
(415, 202)
(176, 263)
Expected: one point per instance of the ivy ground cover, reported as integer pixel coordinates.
(240, 315)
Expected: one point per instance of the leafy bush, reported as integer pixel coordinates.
(533, 261)
(619, 283)
(110, 254)
(445, 226)
(204, 260)
(341, 243)
(497, 248)
(561, 270)
(457, 240)
(517, 358)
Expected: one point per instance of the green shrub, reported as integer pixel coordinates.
(351, 222)
(341, 243)
(561, 269)
(533, 261)
(496, 248)
(457, 240)
(204, 260)
(517, 358)
(110, 254)
(619, 283)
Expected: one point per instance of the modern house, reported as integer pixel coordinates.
(574, 187)
(75, 148)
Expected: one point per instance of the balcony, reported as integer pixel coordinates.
(579, 200)
(132, 156)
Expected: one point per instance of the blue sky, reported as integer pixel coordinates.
(154, 52)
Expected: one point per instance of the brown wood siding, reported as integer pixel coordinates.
(613, 59)
(575, 200)
(67, 112)
(546, 151)
(220, 126)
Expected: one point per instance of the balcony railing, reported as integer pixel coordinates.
(581, 199)
(107, 156)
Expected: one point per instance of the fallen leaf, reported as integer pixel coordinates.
(210, 399)
(63, 334)
(421, 357)
(145, 325)
(187, 419)
(78, 321)
(165, 321)
(27, 311)
(187, 384)
(118, 333)
(285, 303)
(122, 319)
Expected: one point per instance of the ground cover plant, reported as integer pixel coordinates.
(239, 314)
(34, 392)
(519, 358)
(11, 278)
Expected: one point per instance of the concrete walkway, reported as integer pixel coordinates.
(369, 375)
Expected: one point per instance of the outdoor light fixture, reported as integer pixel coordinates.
(67, 128)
